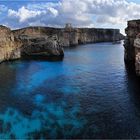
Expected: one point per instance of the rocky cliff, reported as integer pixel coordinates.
(9, 45)
(47, 42)
(23, 46)
(132, 45)
(73, 36)
(41, 47)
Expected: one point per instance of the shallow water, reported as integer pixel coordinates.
(89, 94)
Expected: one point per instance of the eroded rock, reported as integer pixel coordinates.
(9, 45)
(137, 54)
(48, 42)
(42, 47)
(70, 36)
(132, 45)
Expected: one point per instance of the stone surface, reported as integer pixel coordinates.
(49, 42)
(14, 46)
(42, 46)
(9, 45)
(137, 54)
(132, 45)
(73, 36)
(132, 30)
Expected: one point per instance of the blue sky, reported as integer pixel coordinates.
(81, 13)
(136, 1)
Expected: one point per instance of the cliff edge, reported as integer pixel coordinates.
(69, 36)
(132, 45)
(44, 42)
(14, 46)
(9, 45)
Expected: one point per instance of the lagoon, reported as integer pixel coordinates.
(90, 94)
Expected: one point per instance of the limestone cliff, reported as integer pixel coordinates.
(73, 36)
(41, 47)
(48, 42)
(9, 45)
(15, 47)
(132, 45)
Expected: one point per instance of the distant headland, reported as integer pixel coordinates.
(44, 42)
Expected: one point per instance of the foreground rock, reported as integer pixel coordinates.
(132, 45)
(38, 47)
(9, 45)
(41, 47)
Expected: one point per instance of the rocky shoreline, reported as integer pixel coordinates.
(47, 42)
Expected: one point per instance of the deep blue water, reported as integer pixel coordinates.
(90, 94)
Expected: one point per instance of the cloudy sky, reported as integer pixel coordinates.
(83, 13)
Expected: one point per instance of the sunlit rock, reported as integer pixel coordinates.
(44, 42)
(9, 45)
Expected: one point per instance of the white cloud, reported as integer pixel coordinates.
(78, 12)
(23, 14)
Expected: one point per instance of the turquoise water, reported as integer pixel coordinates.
(90, 94)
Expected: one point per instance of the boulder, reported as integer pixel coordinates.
(42, 47)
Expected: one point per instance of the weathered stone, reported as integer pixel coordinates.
(9, 45)
(72, 36)
(132, 44)
(49, 42)
(137, 54)
(42, 46)
(14, 46)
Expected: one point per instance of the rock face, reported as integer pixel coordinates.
(47, 42)
(132, 45)
(137, 54)
(41, 46)
(37, 46)
(73, 36)
(9, 45)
